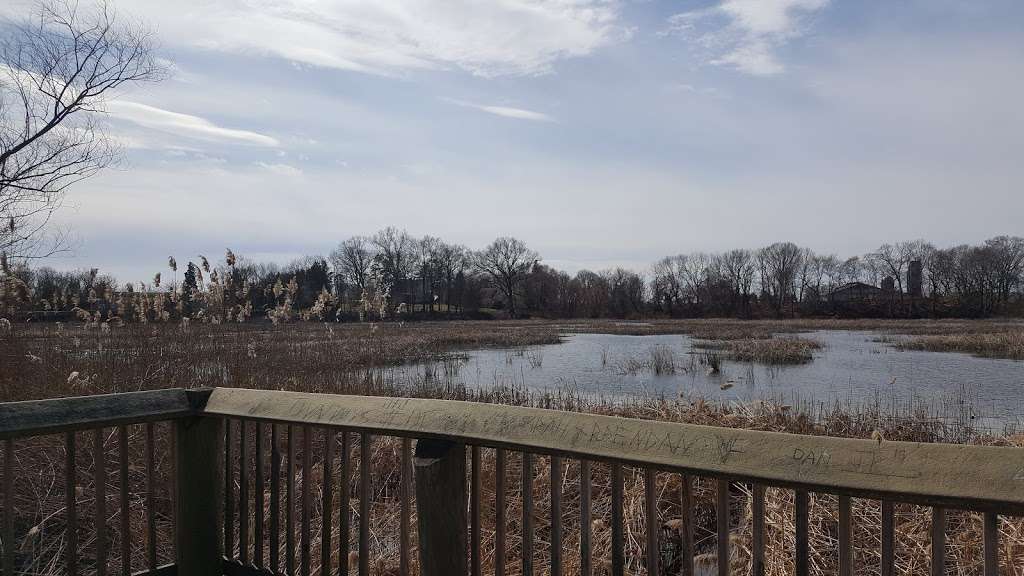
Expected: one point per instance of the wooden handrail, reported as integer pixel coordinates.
(948, 475)
(37, 417)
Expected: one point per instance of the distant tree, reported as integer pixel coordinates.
(56, 69)
(506, 262)
(352, 261)
(779, 264)
(394, 259)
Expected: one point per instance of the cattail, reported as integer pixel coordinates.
(229, 258)
(206, 263)
(172, 263)
(156, 280)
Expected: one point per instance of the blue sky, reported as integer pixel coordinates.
(601, 132)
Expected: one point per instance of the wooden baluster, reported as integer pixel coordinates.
(527, 488)
(404, 543)
(151, 496)
(259, 497)
(845, 536)
(722, 511)
(938, 541)
(307, 479)
(365, 457)
(289, 512)
(243, 492)
(585, 521)
(802, 537)
(8, 511)
(327, 514)
(229, 493)
(71, 506)
(275, 500)
(556, 516)
(345, 497)
(888, 567)
(99, 456)
(991, 520)
(126, 529)
(499, 512)
(618, 545)
(686, 527)
(651, 504)
(757, 545)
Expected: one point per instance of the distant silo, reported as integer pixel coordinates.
(914, 279)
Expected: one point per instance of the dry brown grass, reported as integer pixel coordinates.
(771, 351)
(318, 358)
(990, 345)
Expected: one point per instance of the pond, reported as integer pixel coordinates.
(851, 368)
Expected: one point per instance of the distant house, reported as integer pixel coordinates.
(856, 292)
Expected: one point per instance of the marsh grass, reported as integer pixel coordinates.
(771, 351)
(345, 359)
(989, 345)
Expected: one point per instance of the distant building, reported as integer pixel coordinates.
(888, 284)
(857, 292)
(914, 279)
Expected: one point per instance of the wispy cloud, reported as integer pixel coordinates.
(506, 111)
(185, 125)
(745, 34)
(484, 38)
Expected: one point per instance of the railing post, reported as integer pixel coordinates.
(441, 507)
(199, 474)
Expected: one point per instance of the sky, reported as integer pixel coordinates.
(601, 132)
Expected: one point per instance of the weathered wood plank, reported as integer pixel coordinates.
(500, 523)
(289, 512)
(35, 417)
(229, 492)
(526, 485)
(243, 492)
(345, 496)
(474, 511)
(688, 524)
(70, 505)
(757, 530)
(556, 516)
(327, 513)
(845, 536)
(306, 536)
(802, 534)
(651, 527)
(888, 567)
(275, 500)
(909, 472)
(618, 533)
(722, 517)
(441, 507)
(198, 478)
(8, 510)
(151, 496)
(365, 492)
(260, 497)
(585, 521)
(991, 521)
(938, 541)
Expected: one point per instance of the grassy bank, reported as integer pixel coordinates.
(991, 345)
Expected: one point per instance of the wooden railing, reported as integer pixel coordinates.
(225, 442)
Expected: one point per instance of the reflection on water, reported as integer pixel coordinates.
(851, 368)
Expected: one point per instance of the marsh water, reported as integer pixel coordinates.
(851, 368)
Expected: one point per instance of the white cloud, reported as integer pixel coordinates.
(183, 124)
(506, 111)
(485, 38)
(745, 34)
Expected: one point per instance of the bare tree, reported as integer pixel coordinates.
(779, 264)
(352, 260)
(395, 258)
(506, 262)
(56, 70)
